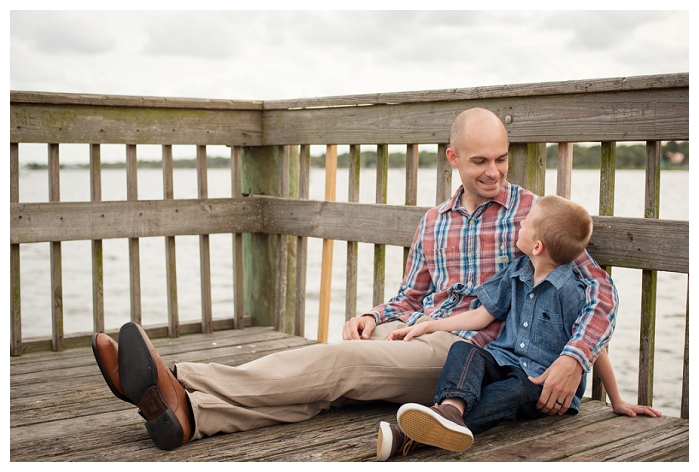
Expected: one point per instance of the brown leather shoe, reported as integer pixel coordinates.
(440, 426)
(105, 350)
(162, 400)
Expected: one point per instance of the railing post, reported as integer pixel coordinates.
(260, 176)
(528, 166)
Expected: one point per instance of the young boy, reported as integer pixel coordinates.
(540, 299)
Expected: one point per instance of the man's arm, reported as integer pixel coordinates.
(592, 332)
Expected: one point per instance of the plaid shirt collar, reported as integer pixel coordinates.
(454, 203)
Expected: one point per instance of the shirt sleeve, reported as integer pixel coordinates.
(595, 324)
(416, 285)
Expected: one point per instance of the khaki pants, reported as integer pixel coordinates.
(296, 385)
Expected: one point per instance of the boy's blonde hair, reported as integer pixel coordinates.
(563, 226)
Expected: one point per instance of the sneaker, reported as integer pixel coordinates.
(391, 440)
(440, 425)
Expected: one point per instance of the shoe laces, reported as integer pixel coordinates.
(408, 445)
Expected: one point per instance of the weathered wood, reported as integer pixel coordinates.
(15, 281)
(527, 166)
(444, 175)
(61, 410)
(379, 276)
(302, 244)
(494, 91)
(55, 254)
(45, 122)
(649, 282)
(586, 117)
(354, 167)
(134, 244)
(71, 221)
(97, 254)
(564, 169)
(237, 253)
(204, 245)
(173, 316)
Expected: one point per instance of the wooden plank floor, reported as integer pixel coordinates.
(61, 410)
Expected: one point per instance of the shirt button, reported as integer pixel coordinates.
(472, 222)
(526, 324)
(521, 345)
(531, 295)
(470, 255)
(469, 284)
(502, 248)
(524, 364)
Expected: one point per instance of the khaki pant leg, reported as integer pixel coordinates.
(298, 384)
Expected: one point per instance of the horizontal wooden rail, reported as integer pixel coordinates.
(623, 242)
(625, 109)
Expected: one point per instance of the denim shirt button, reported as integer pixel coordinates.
(531, 295)
(521, 345)
(526, 324)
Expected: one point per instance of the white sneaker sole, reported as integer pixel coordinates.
(425, 426)
(384, 442)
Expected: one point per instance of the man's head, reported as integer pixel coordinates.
(561, 226)
(478, 147)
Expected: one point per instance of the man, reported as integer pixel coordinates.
(458, 246)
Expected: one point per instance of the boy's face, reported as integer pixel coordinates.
(527, 233)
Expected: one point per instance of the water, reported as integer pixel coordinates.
(77, 295)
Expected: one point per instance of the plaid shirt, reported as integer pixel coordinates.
(453, 253)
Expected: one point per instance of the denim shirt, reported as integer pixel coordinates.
(540, 319)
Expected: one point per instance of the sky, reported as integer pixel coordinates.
(268, 54)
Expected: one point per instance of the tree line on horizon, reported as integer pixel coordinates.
(674, 155)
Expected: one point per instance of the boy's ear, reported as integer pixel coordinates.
(538, 247)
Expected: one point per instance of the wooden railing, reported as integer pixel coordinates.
(269, 213)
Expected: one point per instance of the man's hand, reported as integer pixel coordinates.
(358, 328)
(560, 383)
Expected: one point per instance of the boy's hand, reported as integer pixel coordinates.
(629, 409)
(407, 333)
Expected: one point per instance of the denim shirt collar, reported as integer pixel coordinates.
(557, 277)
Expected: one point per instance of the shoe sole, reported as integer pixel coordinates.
(138, 372)
(384, 442)
(104, 372)
(425, 426)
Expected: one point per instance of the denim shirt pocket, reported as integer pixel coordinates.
(549, 331)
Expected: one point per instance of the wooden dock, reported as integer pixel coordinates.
(62, 410)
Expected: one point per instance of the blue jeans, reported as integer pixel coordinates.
(492, 393)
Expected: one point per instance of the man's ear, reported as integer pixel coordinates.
(451, 157)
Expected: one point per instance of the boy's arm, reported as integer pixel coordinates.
(472, 320)
(603, 366)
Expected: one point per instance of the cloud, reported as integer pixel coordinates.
(62, 32)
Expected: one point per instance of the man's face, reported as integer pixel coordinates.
(482, 161)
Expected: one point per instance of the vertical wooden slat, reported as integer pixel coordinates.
(282, 250)
(684, 403)
(380, 249)
(327, 256)
(411, 168)
(207, 322)
(564, 169)
(302, 244)
(97, 255)
(238, 283)
(527, 166)
(606, 208)
(352, 246)
(649, 281)
(173, 317)
(55, 254)
(444, 175)
(134, 247)
(15, 282)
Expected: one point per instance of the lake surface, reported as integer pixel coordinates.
(77, 294)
